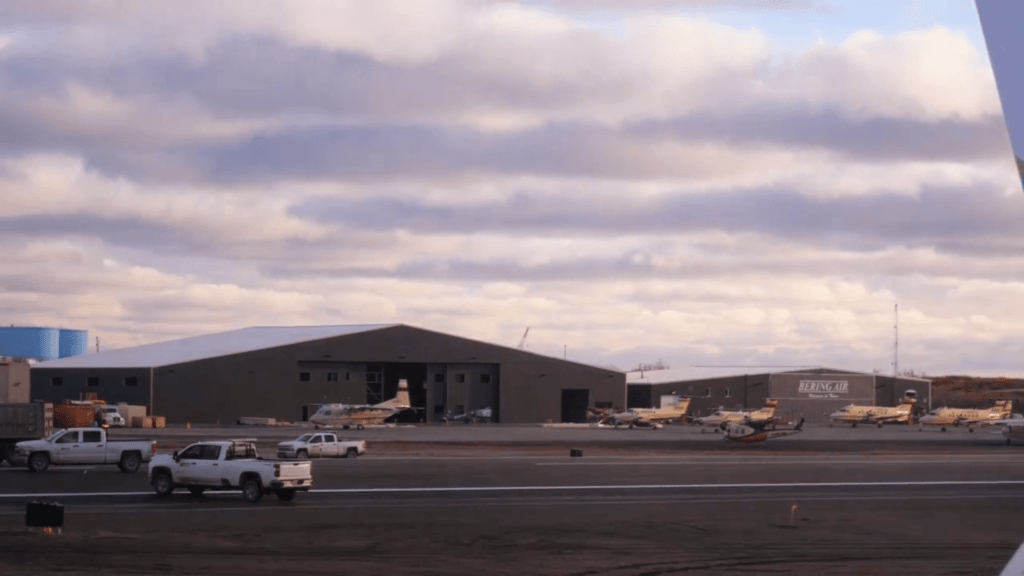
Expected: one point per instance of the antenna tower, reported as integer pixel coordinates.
(896, 341)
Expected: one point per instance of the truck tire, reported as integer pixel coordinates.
(38, 462)
(302, 455)
(252, 490)
(285, 494)
(359, 426)
(129, 463)
(196, 491)
(162, 484)
(351, 453)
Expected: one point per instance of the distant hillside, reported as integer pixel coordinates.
(974, 392)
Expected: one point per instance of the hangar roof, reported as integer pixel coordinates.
(691, 373)
(208, 346)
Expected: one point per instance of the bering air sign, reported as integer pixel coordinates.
(824, 388)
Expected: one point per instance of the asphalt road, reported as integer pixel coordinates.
(519, 512)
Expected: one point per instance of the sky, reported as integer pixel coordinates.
(753, 182)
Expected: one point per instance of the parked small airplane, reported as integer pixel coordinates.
(750, 431)
(854, 414)
(482, 415)
(968, 417)
(650, 417)
(360, 415)
(721, 416)
(1013, 428)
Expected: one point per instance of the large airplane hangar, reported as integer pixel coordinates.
(284, 372)
(813, 392)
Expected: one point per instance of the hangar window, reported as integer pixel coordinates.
(708, 395)
(92, 381)
(332, 376)
(728, 394)
(439, 378)
(460, 377)
(56, 381)
(485, 378)
(131, 381)
(304, 377)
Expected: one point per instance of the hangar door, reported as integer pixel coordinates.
(574, 405)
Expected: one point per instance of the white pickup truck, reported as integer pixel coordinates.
(320, 445)
(82, 446)
(228, 465)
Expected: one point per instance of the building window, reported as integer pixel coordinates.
(485, 378)
(708, 395)
(131, 380)
(332, 376)
(728, 394)
(304, 377)
(347, 375)
(439, 378)
(460, 377)
(56, 381)
(92, 381)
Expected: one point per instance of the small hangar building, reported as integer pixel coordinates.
(813, 392)
(284, 372)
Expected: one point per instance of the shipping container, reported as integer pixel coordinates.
(73, 415)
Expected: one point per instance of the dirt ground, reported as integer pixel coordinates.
(572, 539)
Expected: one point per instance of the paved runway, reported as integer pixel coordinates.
(535, 511)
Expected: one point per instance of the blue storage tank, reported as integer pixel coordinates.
(18, 342)
(73, 342)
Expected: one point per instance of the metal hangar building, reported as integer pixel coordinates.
(813, 392)
(282, 372)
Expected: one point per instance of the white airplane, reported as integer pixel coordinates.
(750, 431)
(968, 417)
(650, 417)
(360, 415)
(722, 416)
(854, 414)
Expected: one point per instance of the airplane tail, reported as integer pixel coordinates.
(401, 399)
(1004, 407)
(799, 424)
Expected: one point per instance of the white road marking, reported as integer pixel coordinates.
(220, 507)
(449, 489)
(773, 462)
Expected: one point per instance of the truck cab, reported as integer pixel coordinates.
(109, 417)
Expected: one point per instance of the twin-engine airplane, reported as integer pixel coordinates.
(360, 415)
(969, 417)
(854, 414)
(720, 416)
(650, 417)
(751, 431)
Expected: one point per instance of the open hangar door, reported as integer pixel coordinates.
(416, 375)
(574, 405)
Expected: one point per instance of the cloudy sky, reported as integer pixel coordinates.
(706, 183)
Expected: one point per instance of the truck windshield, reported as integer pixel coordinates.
(304, 438)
